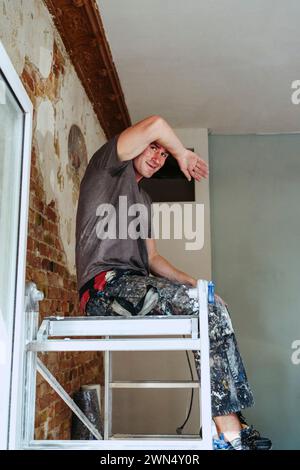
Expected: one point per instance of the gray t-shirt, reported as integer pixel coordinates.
(105, 180)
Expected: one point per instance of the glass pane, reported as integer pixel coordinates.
(11, 140)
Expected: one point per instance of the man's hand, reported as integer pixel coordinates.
(134, 140)
(192, 166)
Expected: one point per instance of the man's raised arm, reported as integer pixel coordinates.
(133, 141)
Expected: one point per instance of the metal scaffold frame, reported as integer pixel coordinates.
(116, 334)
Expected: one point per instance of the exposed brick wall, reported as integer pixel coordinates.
(46, 267)
(60, 103)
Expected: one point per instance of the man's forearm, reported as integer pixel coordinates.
(191, 165)
(159, 266)
(166, 137)
(135, 139)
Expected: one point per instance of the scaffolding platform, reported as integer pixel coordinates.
(108, 334)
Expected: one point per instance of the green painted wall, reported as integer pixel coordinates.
(255, 219)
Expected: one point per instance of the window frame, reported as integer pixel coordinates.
(12, 440)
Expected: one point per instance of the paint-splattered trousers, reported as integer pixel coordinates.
(126, 292)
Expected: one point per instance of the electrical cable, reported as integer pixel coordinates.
(180, 428)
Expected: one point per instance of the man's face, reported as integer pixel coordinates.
(150, 161)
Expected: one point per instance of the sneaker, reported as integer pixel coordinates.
(238, 443)
(254, 440)
(252, 437)
(219, 443)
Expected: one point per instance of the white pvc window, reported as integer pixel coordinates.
(11, 135)
(15, 144)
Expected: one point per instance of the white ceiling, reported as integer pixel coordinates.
(226, 65)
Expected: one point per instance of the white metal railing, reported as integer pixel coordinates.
(120, 334)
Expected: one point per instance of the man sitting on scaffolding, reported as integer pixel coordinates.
(122, 275)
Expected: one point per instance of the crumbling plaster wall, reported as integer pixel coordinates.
(39, 57)
(66, 133)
